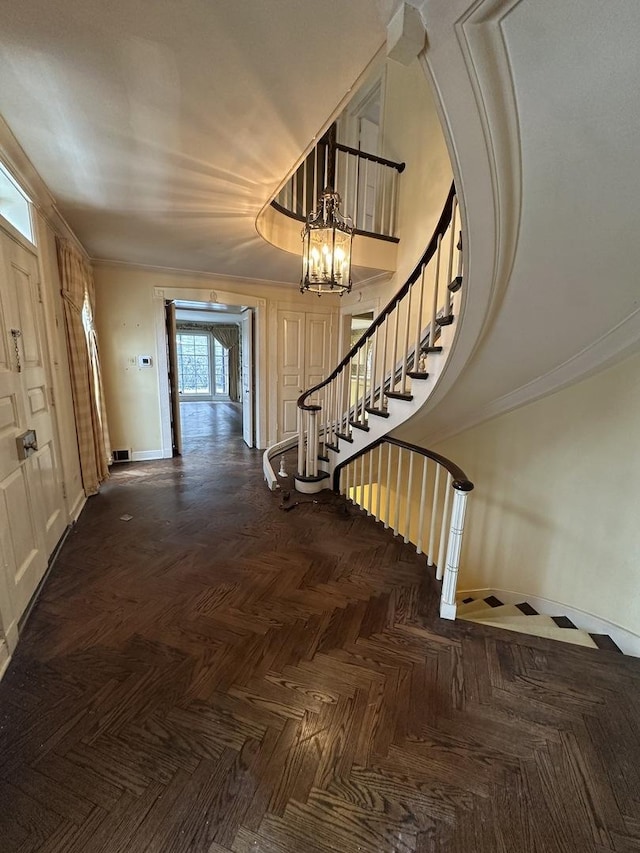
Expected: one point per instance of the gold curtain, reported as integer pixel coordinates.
(228, 337)
(84, 362)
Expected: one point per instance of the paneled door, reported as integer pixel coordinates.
(291, 334)
(32, 512)
(306, 356)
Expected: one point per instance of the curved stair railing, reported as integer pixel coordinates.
(420, 495)
(367, 184)
(386, 376)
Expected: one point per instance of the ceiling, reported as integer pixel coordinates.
(162, 128)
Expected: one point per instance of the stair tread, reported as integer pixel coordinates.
(504, 611)
(551, 632)
(513, 619)
(381, 413)
(476, 605)
(397, 395)
(321, 475)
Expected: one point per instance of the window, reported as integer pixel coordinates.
(14, 205)
(198, 353)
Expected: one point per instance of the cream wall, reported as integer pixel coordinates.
(411, 133)
(555, 508)
(126, 321)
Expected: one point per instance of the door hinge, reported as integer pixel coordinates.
(39, 287)
(52, 396)
(64, 489)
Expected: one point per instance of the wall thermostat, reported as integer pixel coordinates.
(145, 361)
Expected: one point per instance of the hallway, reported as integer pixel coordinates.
(218, 675)
(205, 424)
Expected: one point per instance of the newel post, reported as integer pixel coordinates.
(301, 470)
(450, 581)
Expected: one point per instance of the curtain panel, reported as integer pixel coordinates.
(84, 362)
(227, 336)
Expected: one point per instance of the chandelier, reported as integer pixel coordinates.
(326, 247)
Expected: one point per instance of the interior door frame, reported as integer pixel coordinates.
(248, 406)
(219, 297)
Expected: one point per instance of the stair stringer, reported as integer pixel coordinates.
(399, 410)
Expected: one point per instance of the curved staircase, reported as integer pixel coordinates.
(392, 370)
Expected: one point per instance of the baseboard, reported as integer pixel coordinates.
(5, 657)
(77, 506)
(626, 640)
(146, 455)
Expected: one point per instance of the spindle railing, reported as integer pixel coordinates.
(368, 186)
(420, 495)
(391, 354)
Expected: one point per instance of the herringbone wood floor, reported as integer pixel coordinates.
(219, 675)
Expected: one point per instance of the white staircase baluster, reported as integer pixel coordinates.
(423, 497)
(418, 344)
(366, 350)
(383, 371)
(356, 402)
(372, 380)
(315, 176)
(394, 349)
(388, 501)
(370, 499)
(434, 304)
(379, 482)
(443, 529)
(366, 196)
(305, 205)
(396, 523)
(405, 341)
(407, 513)
(434, 513)
(362, 479)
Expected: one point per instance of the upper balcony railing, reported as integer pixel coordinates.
(368, 185)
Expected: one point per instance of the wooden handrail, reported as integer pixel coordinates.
(441, 227)
(364, 155)
(460, 480)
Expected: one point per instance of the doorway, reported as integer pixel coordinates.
(210, 357)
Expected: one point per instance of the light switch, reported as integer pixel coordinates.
(145, 361)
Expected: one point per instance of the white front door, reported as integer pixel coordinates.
(32, 516)
(248, 429)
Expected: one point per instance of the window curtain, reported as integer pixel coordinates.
(228, 337)
(86, 378)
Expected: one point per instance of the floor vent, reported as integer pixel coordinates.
(121, 455)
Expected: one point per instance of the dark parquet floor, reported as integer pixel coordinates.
(219, 675)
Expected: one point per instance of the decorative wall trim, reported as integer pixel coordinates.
(626, 640)
(77, 506)
(146, 455)
(5, 657)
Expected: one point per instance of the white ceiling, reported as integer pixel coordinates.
(162, 128)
